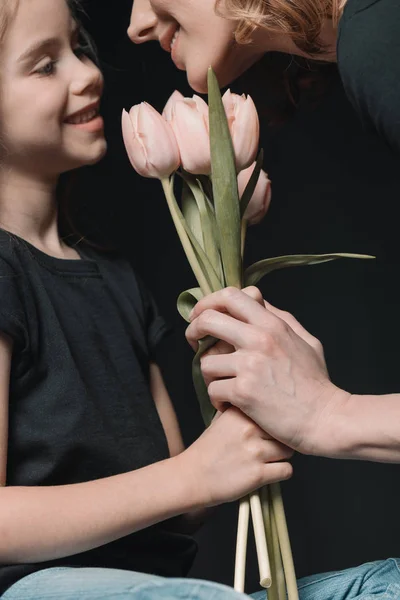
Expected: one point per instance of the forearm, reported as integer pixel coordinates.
(44, 523)
(360, 427)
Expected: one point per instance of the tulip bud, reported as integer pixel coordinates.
(149, 142)
(261, 198)
(244, 127)
(172, 100)
(190, 125)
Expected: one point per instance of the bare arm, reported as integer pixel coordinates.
(277, 375)
(191, 521)
(78, 517)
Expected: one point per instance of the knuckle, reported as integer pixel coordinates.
(317, 345)
(265, 341)
(242, 391)
(255, 293)
(229, 293)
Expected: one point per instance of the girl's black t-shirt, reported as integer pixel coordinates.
(80, 406)
(368, 54)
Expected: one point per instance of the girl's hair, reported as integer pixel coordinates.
(301, 20)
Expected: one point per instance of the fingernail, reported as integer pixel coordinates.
(191, 314)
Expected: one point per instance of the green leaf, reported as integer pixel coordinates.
(206, 408)
(254, 273)
(251, 185)
(204, 264)
(187, 300)
(191, 213)
(224, 181)
(207, 223)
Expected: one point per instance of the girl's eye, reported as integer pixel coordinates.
(47, 69)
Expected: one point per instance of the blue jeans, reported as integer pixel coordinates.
(372, 581)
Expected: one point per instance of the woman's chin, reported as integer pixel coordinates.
(198, 81)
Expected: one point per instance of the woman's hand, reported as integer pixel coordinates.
(232, 458)
(277, 373)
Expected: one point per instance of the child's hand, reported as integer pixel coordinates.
(232, 458)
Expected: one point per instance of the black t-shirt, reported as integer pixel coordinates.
(80, 407)
(368, 52)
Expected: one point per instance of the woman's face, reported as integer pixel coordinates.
(195, 36)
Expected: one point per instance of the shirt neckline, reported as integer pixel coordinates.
(82, 265)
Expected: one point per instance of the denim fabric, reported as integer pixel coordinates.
(373, 581)
(69, 583)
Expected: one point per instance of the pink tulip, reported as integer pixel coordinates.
(150, 142)
(172, 100)
(244, 127)
(261, 198)
(190, 125)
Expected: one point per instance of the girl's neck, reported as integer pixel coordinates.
(28, 208)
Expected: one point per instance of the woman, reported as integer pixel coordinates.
(361, 35)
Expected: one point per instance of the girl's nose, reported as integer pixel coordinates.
(90, 79)
(143, 22)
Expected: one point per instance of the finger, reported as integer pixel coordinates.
(254, 293)
(274, 472)
(235, 302)
(219, 366)
(275, 451)
(220, 348)
(223, 327)
(221, 392)
(292, 322)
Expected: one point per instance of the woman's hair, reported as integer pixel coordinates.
(301, 20)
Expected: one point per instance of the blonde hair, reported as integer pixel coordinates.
(8, 8)
(301, 20)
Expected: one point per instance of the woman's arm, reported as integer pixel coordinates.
(278, 377)
(42, 523)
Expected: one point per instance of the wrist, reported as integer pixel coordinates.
(194, 490)
(329, 433)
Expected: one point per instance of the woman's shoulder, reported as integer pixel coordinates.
(368, 53)
(352, 7)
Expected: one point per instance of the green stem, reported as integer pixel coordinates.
(183, 236)
(284, 541)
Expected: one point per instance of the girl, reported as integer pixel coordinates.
(361, 35)
(92, 464)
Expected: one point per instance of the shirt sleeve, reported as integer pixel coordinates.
(12, 314)
(368, 53)
(156, 327)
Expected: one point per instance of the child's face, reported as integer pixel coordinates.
(202, 38)
(44, 82)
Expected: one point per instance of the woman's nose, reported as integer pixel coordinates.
(143, 22)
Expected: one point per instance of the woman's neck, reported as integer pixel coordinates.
(28, 208)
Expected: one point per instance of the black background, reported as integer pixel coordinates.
(335, 188)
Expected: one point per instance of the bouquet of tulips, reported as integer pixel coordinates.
(213, 149)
